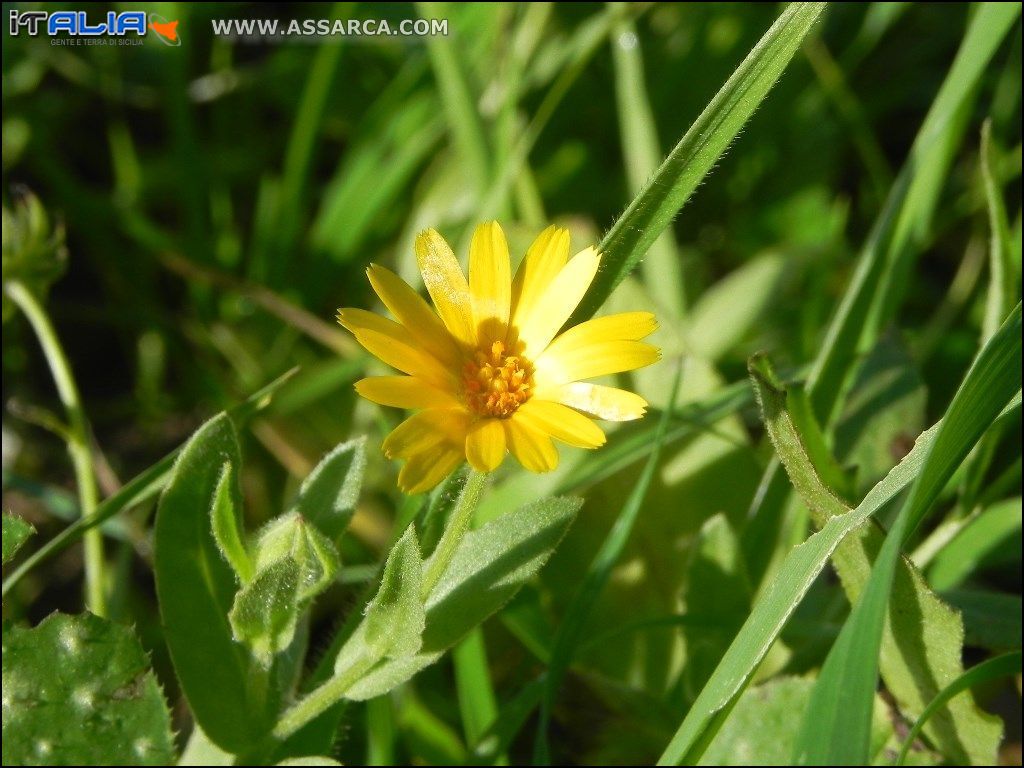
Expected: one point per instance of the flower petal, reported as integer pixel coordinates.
(446, 285)
(390, 342)
(425, 430)
(425, 470)
(405, 392)
(542, 263)
(625, 325)
(414, 313)
(532, 447)
(595, 400)
(490, 281)
(558, 301)
(592, 360)
(485, 445)
(561, 423)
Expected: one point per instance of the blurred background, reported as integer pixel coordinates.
(219, 200)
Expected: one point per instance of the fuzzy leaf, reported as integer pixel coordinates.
(328, 495)
(922, 643)
(196, 589)
(225, 519)
(489, 567)
(15, 533)
(266, 610)
(392, 629)
(395, 618)
(78, 690)
(842, 697)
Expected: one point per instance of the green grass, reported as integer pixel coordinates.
(813, 560)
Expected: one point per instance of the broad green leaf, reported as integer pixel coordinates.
(1002, 275)
(718, 321)
(794, 577)
(16, 532)
(78, 690)
(922, 643)
(196, 589)
(328, 496)
(266, 610)
(652, 211)
(489, 566)
(383, 652)
(226, 522)
(990, 669)
(395, 618)
(292, 562)
(995, 528)
(838, 731)
(763, 726)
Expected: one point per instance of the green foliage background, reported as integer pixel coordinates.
(220, 200)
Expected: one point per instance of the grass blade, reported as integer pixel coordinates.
(894, 242)
(578, 611)
(897, 235)
(922, 642)
(839, 731)
(460, 104)
(477, 703)
(1002, 283)
(991, 669)
(662, 271)
(795, 575)
(970, 547)
(302, 142)
(651, 211)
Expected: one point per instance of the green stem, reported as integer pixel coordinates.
(321, 699)
(456, 528)
(78, 439)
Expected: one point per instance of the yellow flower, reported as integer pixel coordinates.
(490, 370)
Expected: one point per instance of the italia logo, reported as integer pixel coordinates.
(78, 24)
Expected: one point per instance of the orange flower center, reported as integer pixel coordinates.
(496, 384)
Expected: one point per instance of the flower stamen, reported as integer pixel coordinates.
(495, 383)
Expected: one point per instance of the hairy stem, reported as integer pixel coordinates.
(454, 530)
